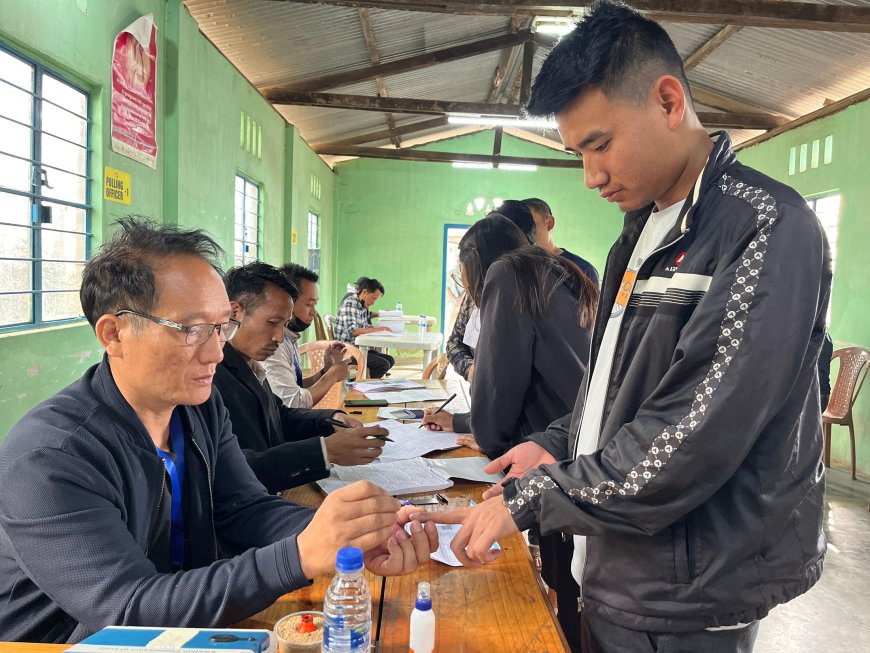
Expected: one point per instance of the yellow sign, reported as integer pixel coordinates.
(293, 237)
(116, 186)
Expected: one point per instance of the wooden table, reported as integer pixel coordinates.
(498, 607)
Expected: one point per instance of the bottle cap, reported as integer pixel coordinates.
(424, 598)
(349, 559)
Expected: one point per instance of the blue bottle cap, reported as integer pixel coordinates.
(424, 597)
(349, 559)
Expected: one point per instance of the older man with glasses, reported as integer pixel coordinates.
(125, 499)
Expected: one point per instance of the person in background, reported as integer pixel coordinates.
(544, 223)
(285, 447)
(355, 319)
(466, 329)
(283, 368)
(125, 499)
(692, 474)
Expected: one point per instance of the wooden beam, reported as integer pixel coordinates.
(528, 63)
(747, 13)
(712, 99)
(824, 112)
(444, 157)
(398, 105)
(407, 64)
(375, 56)
(740, 120)
(402, 130)
(504, 60)
(707, 48)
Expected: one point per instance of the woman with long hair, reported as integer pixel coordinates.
(536, 312)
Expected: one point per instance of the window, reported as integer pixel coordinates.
(827, 208)
(246, 245)
(314, 242)
(45, 210)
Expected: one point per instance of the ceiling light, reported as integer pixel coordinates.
(501, 121)
(517, 167)
(473, 165)
(556, 29)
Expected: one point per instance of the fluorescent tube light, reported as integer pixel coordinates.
(501, 121)
(473, 165)
(517, 167)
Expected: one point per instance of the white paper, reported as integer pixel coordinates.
(385, 386)
(472, 329)
(398, 477)
(469, 468)
(410, 441)
(409, 396)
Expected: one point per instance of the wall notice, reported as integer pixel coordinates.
(134, 87)
(116, 185)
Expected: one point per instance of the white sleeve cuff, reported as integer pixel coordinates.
(326, 462)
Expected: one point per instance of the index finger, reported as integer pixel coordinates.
(455, 516)
(498, 464)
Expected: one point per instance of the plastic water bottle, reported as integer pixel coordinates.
(422, 622)
(422, 325)
(347, 609)
(399, 307)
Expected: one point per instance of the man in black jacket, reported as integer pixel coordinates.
(691, 473)
(285, 447)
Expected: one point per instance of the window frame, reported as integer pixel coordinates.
(812, 203)
(311, 214)
(36, 196)
(247, 180)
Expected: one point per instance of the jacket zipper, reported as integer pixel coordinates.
(156, 513)
(580, 601)
(210, 497)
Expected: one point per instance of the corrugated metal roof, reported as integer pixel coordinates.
(784, 71)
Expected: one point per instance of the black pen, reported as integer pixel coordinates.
(335, 422)
(441, 407)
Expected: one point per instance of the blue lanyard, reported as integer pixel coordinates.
(175, 469)
(298, 366)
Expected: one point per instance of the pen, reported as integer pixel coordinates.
(441, 498)
(441, 407)
(335, 422)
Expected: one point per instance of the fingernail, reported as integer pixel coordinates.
(401, 535)
(416, 526)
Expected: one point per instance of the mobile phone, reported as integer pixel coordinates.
(365, 402)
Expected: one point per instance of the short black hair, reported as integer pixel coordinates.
(518, 213)
(297, 273)
(371, 285)
(121, 275)
(246, 284)
(613, 48)
(536, 204)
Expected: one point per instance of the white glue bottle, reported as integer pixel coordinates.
(422, 622)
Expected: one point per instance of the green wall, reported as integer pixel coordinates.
(200, 100)
(391, 215)
(846, 174)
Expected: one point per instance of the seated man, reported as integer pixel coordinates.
(284, 446)
(355, 319)
(117, 494)
(283, 369)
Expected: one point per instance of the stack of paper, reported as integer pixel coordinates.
(446, 533)
(410, 441)
(411, 476)
(387, 385)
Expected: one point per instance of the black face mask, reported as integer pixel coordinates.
(297, 326)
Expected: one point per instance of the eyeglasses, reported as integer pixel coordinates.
(195, 334)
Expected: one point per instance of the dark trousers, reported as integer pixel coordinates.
(556, 554)
(601, 636)
(379, 364)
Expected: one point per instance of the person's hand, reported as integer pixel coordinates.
(468, 440)
(385, 329)
(349, 447)
(403, 553)
(361, 515)
(521, 459)
(333, 355)
(344, 418)
(433, 421)
(482, 526)
(338, 372)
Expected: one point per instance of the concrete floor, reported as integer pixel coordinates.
(835, 614)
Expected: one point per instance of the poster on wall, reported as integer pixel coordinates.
(134, 85)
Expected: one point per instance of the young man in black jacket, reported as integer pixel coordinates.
(691, 473)
(285, 447)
